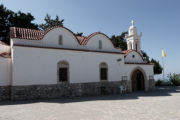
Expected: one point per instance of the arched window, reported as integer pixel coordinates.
(63, 71)
(103, 71)
(60, 40)
(100, 44)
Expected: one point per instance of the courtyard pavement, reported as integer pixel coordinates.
(162, 104)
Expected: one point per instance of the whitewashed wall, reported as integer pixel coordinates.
(137, 58)
(34, 66)
(107, 45)
(39, 66)
(147, 70)
(51, 39)
(5, 71)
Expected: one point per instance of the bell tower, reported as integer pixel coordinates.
(133, 39)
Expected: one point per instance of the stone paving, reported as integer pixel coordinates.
(162, 104)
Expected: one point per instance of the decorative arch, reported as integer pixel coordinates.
(87, 39)
(49, 29)
(103, 69)
(138, 79)
(63, 71)
(129, 51)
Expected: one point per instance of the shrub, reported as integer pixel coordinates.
(159, 82)
(174, 79)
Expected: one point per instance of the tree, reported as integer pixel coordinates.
(9, 18)
(119, 41)
(157, 67)
(5, 16)
(174, 79)
(23, 20)
(79, 34)
(51, 22)
(145, 56)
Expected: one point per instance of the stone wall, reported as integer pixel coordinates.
(5, 93)
(65, 90)
(151, 84)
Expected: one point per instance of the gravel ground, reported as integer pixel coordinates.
(162, 104)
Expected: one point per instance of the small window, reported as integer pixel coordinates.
(100, 44)
(63, 68)
(63, 74)
(60, 40)
(103, 71)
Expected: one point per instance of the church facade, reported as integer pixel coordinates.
(55, 63)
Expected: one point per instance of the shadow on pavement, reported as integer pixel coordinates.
(159, 91)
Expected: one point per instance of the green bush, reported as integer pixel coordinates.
(163, 83)
(174, 79)
(159, 83)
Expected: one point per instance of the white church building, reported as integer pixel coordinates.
(55, 63)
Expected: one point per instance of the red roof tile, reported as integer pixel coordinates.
(81, 38)
(126, 51)
(4, 53)
(24, 33)
(30, 34)
(2, 43)
(140, 63)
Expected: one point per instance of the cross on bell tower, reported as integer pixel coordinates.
(132, 22)
(133, 39)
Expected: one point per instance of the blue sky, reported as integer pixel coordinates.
(158, 20)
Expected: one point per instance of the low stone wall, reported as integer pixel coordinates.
(151, 84)
(5, 93)
(65, 90)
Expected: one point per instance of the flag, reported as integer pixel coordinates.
(163, 53)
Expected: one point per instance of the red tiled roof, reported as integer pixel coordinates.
(24, 33)
(140, 63)
(86, 39)
(5, 53)
(126, 51)
(30, 34)
(81, 38)
(2, 43)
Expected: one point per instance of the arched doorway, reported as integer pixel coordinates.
(137, 81)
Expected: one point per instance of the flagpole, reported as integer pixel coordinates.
(163, 55)
(163, 67)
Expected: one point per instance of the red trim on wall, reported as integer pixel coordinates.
(83, 50)
(126, 52)
(2, 43)
(140, 63)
